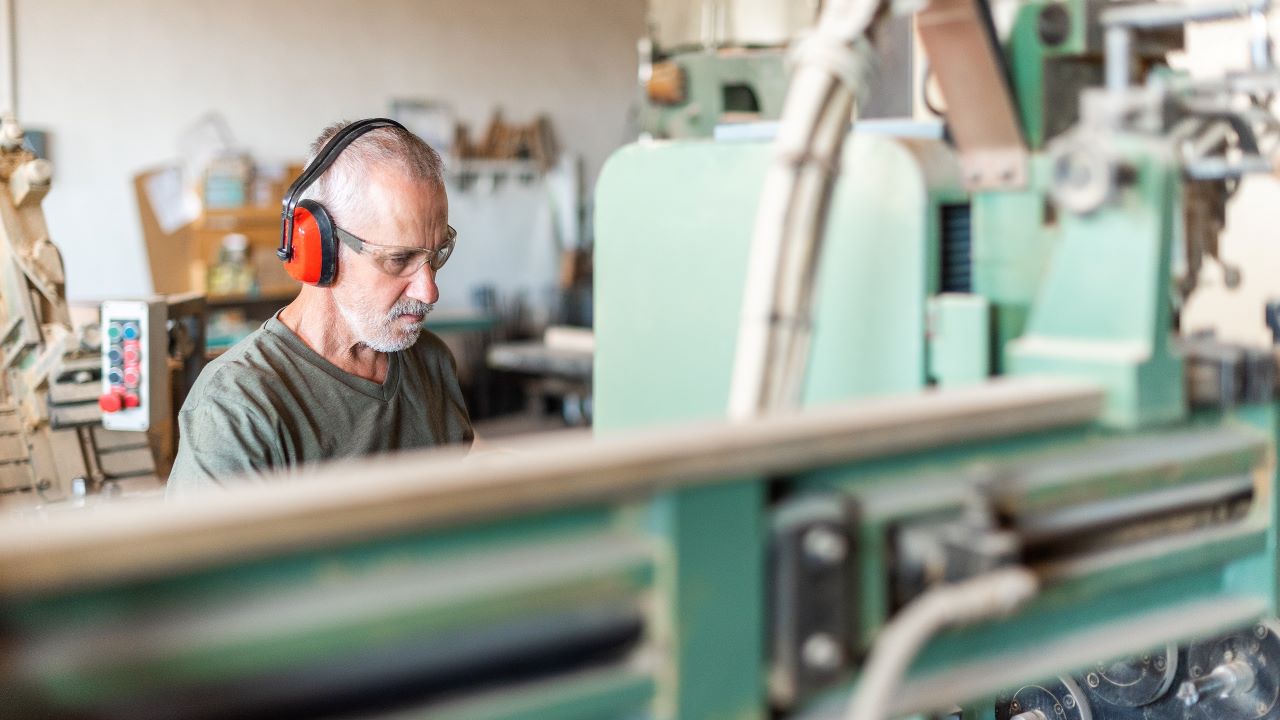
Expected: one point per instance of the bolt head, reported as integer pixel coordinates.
(825, 545)
(1054, 24)
(821, 652)
(1188, 694)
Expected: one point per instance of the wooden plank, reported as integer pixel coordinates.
(71, 393)
(108, 440)
(127, 462)
(69, 416)
(12, 448)
(419, 491)
(15, 475)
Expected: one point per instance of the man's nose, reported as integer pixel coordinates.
(423, 286)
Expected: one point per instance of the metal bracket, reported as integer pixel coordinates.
(959, 40)
(812, 596)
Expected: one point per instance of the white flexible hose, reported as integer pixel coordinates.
(830, 67)
(988, 596)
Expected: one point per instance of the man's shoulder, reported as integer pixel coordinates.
(249, 365)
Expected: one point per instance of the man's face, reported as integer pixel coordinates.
(382, 311)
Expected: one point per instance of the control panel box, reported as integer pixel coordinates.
(135, 371)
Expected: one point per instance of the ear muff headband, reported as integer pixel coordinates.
(320, 264)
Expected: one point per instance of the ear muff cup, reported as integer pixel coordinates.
(315, 245)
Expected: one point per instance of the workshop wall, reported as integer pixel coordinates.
(115, 83)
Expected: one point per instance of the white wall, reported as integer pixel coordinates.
(116, 82)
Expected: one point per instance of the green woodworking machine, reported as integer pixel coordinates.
(889, 422)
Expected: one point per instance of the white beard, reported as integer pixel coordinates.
(384, 332)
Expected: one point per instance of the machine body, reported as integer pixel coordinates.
(1010, 488)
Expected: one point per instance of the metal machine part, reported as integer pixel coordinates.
(946, 548)
(966, 60)
(812, 593)
(1085, 178)
(1231, 676)
(1131, 682)
(1234, 676)
(1205, 204)
(688, 94)
(505, 571)
(1225, 375)
(1061, 699)
(1226, 677)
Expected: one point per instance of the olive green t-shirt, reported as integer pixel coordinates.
(271, 403)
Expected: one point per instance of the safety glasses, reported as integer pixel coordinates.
(398, 260)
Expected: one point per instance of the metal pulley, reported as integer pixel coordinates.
(1134, 681)
(1061, 699)
(1234, 676)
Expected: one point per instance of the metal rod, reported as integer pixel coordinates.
(1118, 41)
(423, 491)
(1168, 14)
(1259, 40)
(1225, 681)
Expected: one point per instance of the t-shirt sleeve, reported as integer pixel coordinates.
(219, 446)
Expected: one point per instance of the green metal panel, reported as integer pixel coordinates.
(1266, 417)
(707, 75)
(1046, 78)
(673, 227)
(1103, 310)
(1014, 234)
(960, 346)
(879, 267)
(714, 609)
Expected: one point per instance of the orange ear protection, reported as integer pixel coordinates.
(308, 245)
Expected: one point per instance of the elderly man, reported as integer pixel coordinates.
(346, 369)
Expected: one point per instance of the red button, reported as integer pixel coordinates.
(111, 402)
(131, 400)
(130, 356)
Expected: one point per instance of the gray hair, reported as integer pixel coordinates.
(338, 189)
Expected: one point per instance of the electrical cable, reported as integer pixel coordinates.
(989, 596)
(830, 66)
